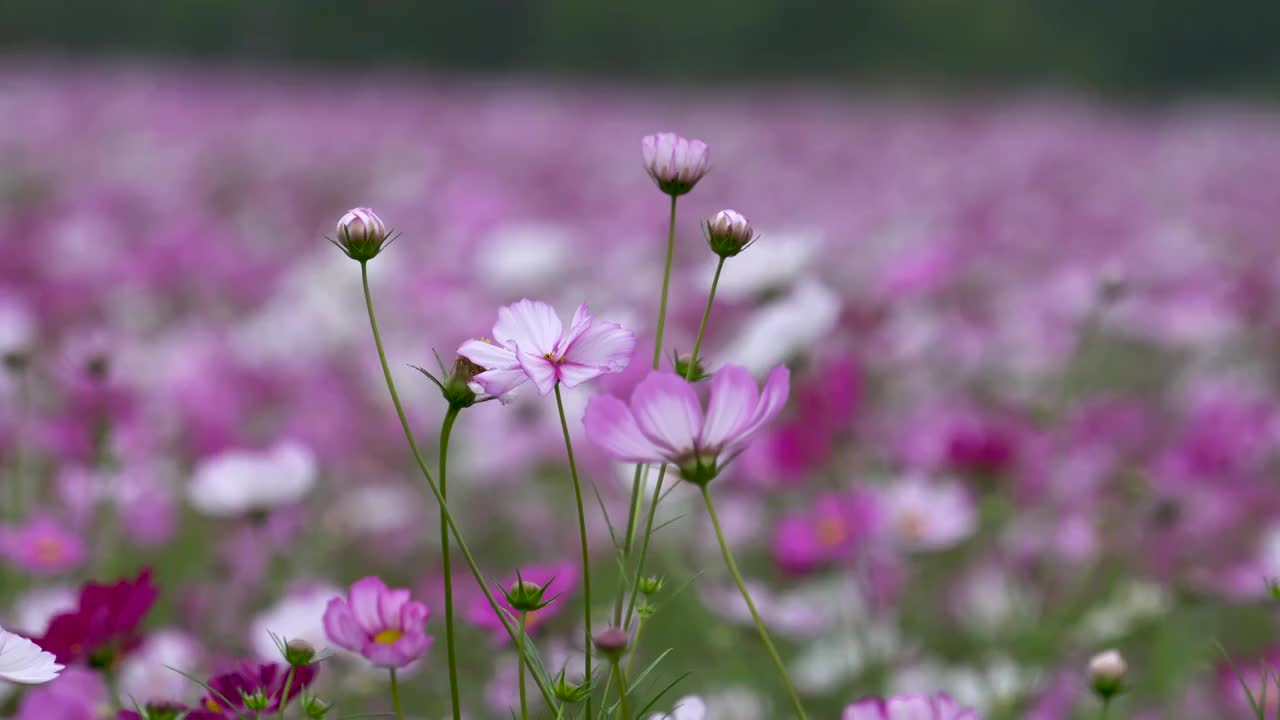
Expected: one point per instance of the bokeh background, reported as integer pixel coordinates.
(1021, 258)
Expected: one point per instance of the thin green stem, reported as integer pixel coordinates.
(524, 703)
(582, 537)
(635, 645)
(395, 695)
(755, 615)
(666, 284)
(446, 428)
(622, 690)
(435, 489)
(657, 491)
(284, 695)
(1106, 708)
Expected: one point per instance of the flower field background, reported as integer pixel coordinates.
(1033, 409)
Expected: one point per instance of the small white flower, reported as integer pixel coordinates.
(237, 481)
(925, 515)
(24, 662)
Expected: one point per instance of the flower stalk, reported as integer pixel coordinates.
(446, 428)
(582, 537)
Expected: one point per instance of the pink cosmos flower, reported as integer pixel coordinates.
(383, 625)
(675, 163)
(909, 707)
(562, 579)
(665, 422)
(923, 515)
(531, 344)
(829, 532)
(42, 547)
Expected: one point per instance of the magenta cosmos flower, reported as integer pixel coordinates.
(675, 163)
(384, 625)
(909, 707)
(531, 344)
(665, 422)
(105, 625)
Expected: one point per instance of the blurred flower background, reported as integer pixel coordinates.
(1020, 259)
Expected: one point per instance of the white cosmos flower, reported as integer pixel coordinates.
(298, 616)
(239, 481)
(24, 662)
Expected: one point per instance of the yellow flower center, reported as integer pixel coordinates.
(388, 637)
(832, 532)
(913, 524)
(212, 706)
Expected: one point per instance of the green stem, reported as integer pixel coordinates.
(524, 704)
(445, 430)
(435, 490)
(284, 695)
(666, 284)
(622, 690)
(755, 615)
(657, 491)
(1106, 708)
(635, 644)
(582, 537)
(395, 695)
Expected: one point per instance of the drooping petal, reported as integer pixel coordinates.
(772, 399)
(540, 370)
(734, 397)
(341, 627)
(604, 345)
(667, 411)
(487, 355)
(612, 428)
(532, 326)
(364, 597)
(581, 321)
(501, 383)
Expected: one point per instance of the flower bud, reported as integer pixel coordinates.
(567, 692)
(612, 642)
(256, 701)
(681, 365)
(315, 708)
(1107, 671)
(525, 596)
(163, 710)
(676, 164)
(299, 653)
(651, 585)
(729, 233)
(361, 234)
(457, 385)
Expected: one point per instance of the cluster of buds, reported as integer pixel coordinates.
(675, 163)
(362, 234)
(1107, 672)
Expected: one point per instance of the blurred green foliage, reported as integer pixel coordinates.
(1136, 47)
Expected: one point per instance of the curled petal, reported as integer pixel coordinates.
(487, 355)
(734, 397)
(772, 399)
(612, 428)
(667, 411)
(604, 345)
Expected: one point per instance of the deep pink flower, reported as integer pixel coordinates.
(105, 624)
(249, 679)
(909, 707)
(665, 422)
(533, 345)
(42, 547)
(830, 531)
(384, 625)
(563, 579)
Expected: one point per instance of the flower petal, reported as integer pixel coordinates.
(734, 396)
(667, 411)
(487, 355)
(500, 383)
(341, 627)
(612, 428)
(772, 399)
(538, 369)
(364, 596)
(533, 326)
(604, 345)
(581, 321)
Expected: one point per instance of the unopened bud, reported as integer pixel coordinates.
(457, 386)
(361, 234)
(612, 642)
(163, 710)
(256, 701)
(675, 163)
(1107, 671)
(729, 233)
(315, 708)
(299, 652)
(525, 596)
(651, 585)
(692, 374)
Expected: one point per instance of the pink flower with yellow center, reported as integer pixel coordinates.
(42, 546)
(384, 625)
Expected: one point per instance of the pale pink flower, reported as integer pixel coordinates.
(675, 163)
(924, 515)
(665, 422)
(384, 625)
(531, 344)
(42, 546)
(909, 707)
(361, 234)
